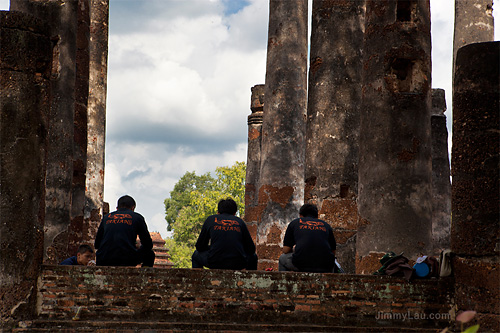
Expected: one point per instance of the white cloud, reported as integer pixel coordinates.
(148, 172)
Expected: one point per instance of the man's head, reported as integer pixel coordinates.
(126, 202)
(85, 254)
(309, 210)
(227, 206)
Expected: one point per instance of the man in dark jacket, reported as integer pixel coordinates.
(231, 246)
(116, 237)
(314, 244)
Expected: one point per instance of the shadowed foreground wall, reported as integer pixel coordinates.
(24, 107)
(224, 296)
(60, 20)
(475, 229)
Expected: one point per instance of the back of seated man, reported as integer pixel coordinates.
(224, 241)
(84, 257)
(314, 244)
(116, 237)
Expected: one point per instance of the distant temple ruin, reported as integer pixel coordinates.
(364, 138)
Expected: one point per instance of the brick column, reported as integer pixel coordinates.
(96, 125)
(331, 173)
(395, 166)
(441, 186)
(281, 186)
(253, 158)
(475, 231)
(25, 53)
(62, 24)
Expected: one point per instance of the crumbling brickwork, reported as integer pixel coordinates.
(251, 298)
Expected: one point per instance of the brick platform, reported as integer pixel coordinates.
(259, 301)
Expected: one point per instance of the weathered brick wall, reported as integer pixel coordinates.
(223, 296)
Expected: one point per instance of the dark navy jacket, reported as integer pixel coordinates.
(116, 238)
(230, 242)
(314, 243)
(70, 261)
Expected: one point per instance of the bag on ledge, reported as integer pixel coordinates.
(395, 265)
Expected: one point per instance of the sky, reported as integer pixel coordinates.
(179, 80)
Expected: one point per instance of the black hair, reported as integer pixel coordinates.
(84, 248)
(309, 210)
(227, 206)
(126, 202)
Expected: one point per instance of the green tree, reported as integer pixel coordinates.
(193, 199)
(180, 196)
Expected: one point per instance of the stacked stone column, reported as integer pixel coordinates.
(62, 24)
(75, 230)
(76, 121)
(253, 158)
(331, 173)
(441, 186)
(281, 186)
(395, 168)
(96, 125)
(476, 183)
(25, 52)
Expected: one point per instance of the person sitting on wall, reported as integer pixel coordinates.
(314, 244)
(116, 237)
(231, 246)
(84, 256)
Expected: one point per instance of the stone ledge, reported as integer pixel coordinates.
(241, 297)
(164, 327)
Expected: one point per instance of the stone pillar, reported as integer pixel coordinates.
(395, 167)
(473, 24)
(25, 62)
(75, 230)
(96, 125)
(331, 173)
(281, 186)
(62, 23)
(441, 186)
(475, 229)
(253, 158)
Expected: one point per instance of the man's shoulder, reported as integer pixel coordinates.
(127, 213)
(70, 261)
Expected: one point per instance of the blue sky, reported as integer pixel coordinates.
(179, 80)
